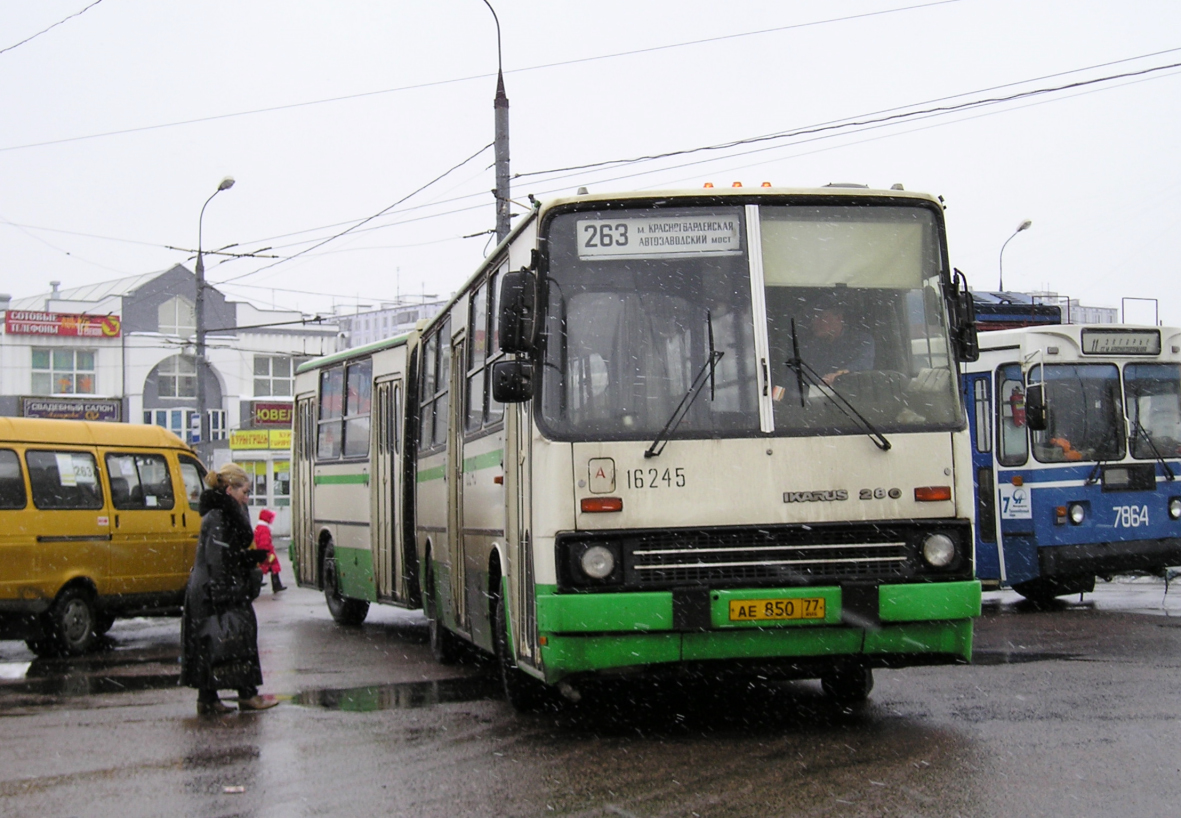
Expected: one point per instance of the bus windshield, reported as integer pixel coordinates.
(640, 301)
(1154, 409)
(1083, 418)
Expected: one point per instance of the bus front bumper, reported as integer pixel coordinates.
(915, 624)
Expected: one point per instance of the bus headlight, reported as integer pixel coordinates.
(1077, 513)
(597, 562)
(1175, 508)
(938, 550)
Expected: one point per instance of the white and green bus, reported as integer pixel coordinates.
(662, 430)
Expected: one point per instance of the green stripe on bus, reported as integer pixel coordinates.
(426, 475)
(487, 460)
(341, 479)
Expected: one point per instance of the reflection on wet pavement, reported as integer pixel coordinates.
(402, 696)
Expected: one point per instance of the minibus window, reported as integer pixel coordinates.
(12, 483)
(194, 478)
(139, 481)
(64, 480)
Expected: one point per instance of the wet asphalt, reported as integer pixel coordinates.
(1075, 710)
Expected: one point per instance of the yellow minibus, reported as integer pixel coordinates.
(97, 521)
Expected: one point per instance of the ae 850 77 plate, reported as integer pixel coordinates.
(754, 610)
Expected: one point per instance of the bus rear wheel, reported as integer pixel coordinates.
(1044, 590)
(345, 610)
(445, 646)
(848, 685)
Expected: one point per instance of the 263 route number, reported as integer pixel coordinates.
(605, 235)
(655, 478)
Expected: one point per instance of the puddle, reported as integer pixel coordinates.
(1009, 657)
(403, 696)
(77, 684)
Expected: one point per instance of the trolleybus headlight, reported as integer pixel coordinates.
(938, 550)
(1175, 508)
(597, 562)
(1077, 513)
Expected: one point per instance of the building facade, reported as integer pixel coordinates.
(124, 351)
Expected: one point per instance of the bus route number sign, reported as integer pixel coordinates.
(757, 610)
(693, 236)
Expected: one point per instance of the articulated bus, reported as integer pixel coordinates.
(1076, 434)
(661, 431)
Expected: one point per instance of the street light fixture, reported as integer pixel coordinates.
(199, 315)
(1025, 225)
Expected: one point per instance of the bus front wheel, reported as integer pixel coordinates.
(848, 685)
(445, 646)
(345, 610)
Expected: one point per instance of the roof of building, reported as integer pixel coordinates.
(117, 288)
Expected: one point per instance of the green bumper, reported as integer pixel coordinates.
(920, 623)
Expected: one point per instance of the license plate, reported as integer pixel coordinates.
(756, 610)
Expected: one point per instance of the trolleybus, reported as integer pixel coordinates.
(663, 430)
(1076, 438)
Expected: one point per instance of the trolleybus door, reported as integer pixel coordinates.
(301, 490)
(385, 530)
(455, 423)
(978, 399)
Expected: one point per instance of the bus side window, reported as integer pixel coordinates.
(12, 482)
(1013, 441)
(330, 429)
(64, 480)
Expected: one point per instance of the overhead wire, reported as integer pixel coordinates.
(51, 28)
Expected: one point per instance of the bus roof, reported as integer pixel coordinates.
(831, 191)
(353, 352)
(87, 433)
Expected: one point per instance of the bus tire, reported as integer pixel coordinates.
(848, 685)
(525, 693)
(445, 646)
(345, 610)
(73, 622)
(1043, 591)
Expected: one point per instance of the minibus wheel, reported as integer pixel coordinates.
(345, 610)
(104, 623)
(73, 622)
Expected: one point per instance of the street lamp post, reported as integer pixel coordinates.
(1025, 225)
(503, 222)
(199, 315)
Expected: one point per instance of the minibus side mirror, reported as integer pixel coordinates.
(1035, 408)
(518, 312)
(512, 381)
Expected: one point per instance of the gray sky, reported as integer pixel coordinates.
(97, 177)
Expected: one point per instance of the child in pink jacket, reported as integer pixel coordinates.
(263, 542)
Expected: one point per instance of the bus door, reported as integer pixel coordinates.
(978, 399)
(303, 450)
(386, 530)
(455, 540)
(147, 539)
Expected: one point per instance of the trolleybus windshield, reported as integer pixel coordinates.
(1154, 409)
(638, 300)
(1083, 418)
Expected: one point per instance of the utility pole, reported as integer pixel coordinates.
(503, 223)
(199, 314)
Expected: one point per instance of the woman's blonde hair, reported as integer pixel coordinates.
(228, 476)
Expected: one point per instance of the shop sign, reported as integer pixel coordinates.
(24, 322)
(273, 414)
(280, 438)
(260, 439)
(110, 411)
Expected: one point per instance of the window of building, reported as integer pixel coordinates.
(183, 423)
(281, 483)
(176, 377)
(177, 316)
(274, 375)
(64, 480)
(63, 372)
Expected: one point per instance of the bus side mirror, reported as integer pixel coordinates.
(518, 312)
(512, 381)
(1035, 408)
(963, 318)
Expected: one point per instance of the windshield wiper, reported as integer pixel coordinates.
(1112, 439)
(805, 373)
(707, 369)
(1143, 433)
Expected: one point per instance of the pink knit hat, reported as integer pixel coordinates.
(266, 515)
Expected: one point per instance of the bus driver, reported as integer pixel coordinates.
(834, 348)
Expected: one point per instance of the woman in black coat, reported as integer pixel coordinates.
(219, 633)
